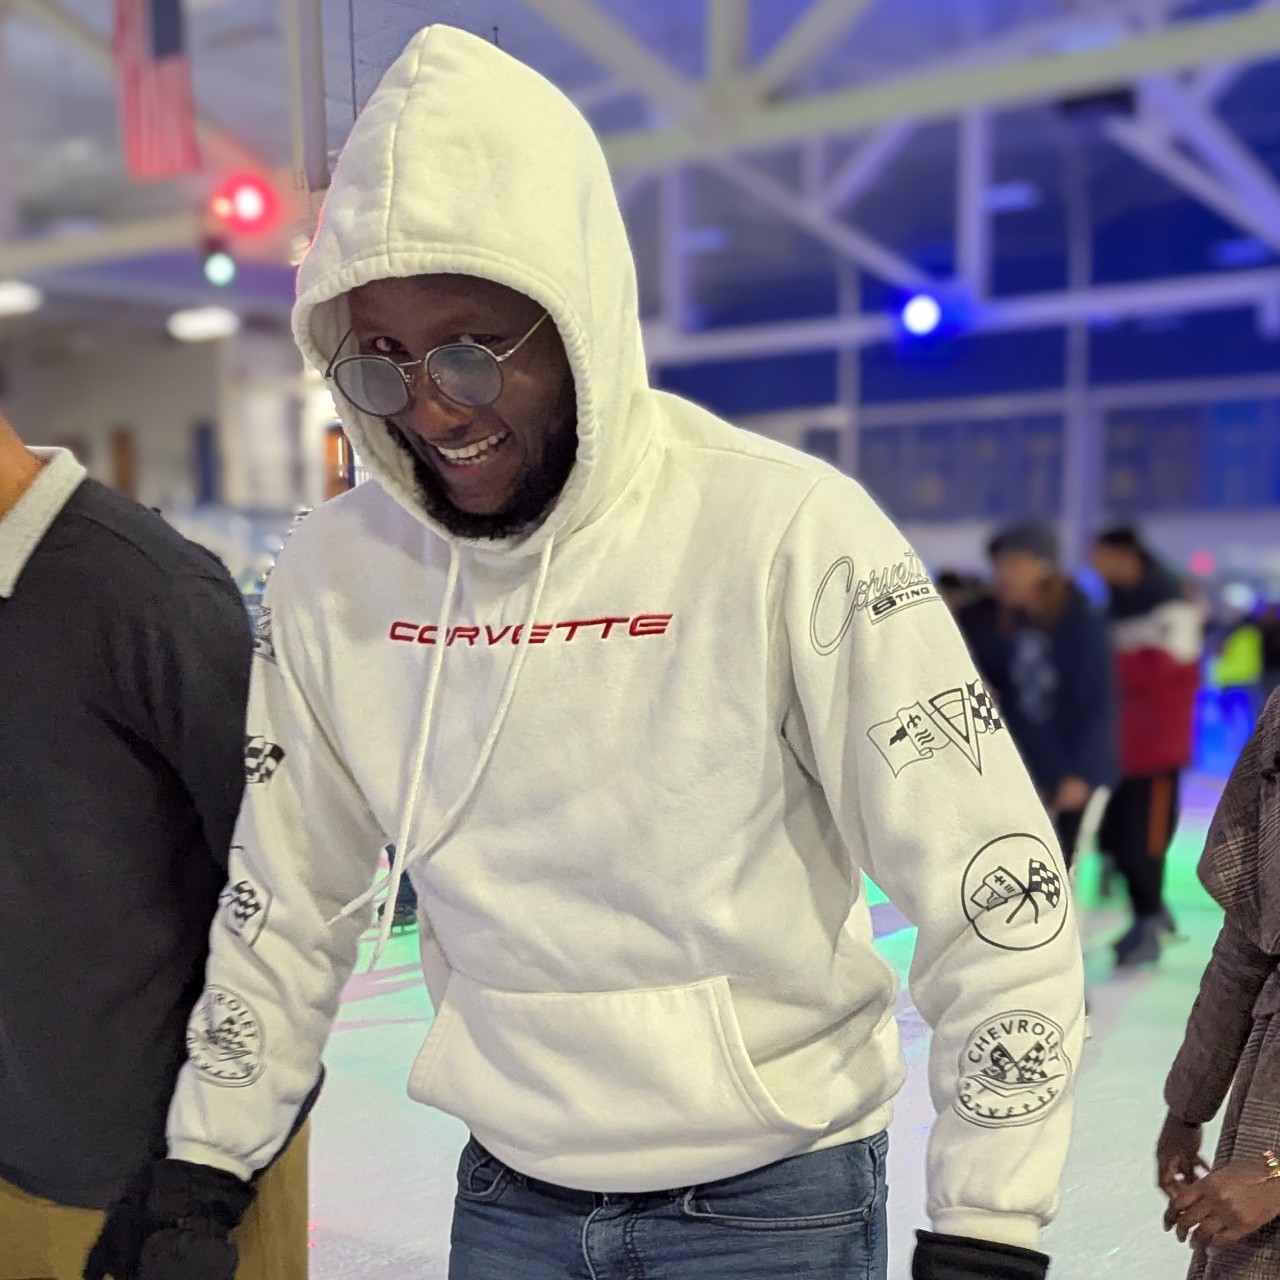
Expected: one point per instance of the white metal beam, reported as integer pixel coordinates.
(79, 32)
(1217, 146)
(728, 37)
(973, 221)
(853, 244)
(304, 32)
(1220, 291)
(813, 169)
(123, 240)
(1155, 151)
(1254, 34)
(864, 168)
(615, 48)
(815, 34)
(1211, 84)
(675, 261)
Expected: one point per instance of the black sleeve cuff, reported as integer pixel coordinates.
(957, 1258)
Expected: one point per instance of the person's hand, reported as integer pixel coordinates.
(174, 1223)
(1224, 1206)
(1178, 1160)
(1072, 795)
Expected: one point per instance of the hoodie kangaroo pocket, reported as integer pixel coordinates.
(619, 1091)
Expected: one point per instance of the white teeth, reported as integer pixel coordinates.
(473, 451)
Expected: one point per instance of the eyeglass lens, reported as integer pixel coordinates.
(373, 384)
(468, 375)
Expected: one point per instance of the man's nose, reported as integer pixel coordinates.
(431, 413)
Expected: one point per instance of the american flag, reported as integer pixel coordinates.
(153, 74)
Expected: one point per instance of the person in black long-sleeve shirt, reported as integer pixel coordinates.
(124, 669)
(1049, 658)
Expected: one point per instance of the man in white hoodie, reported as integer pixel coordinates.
(637, 698)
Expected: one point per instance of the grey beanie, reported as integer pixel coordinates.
(1034, 539)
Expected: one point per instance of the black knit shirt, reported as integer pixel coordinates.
(124, 668)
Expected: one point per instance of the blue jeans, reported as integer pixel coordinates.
(821, 1216)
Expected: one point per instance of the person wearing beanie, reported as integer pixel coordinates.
(636, 698)
(1055, 677)
(1158, 635)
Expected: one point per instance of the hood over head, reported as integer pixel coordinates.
(465, 161)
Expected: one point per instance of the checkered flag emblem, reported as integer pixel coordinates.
(241, 900)
(1001, 887)
(226, 1039)
(261, 760)
(1029, 1069)
(986, 719)
(1031, 1066)
(1042, 879)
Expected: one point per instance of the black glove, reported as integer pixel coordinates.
(957, 1258)
(174, 1223)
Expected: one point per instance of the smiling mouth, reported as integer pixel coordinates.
(472, 455)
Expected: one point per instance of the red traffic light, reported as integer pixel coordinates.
(245, 205)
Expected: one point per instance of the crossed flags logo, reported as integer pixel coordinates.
(244, 907)
(1012, 1071)
(1002, 887)
(959, 717)
(261, 760)
(1014, 895)
(224, 1039)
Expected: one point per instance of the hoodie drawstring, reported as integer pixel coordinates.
(396, 873)
(403, 861)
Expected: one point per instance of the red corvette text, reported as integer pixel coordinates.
(643, 624)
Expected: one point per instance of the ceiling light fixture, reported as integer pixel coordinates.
(18, 298)
(203, 324)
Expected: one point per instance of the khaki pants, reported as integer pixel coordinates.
(40, 1240)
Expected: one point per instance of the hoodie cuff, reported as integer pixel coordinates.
(1020, 1230)
(211, 1157)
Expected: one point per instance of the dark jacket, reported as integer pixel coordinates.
(124, 657)
(1057, 690)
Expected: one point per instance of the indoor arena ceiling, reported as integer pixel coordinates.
(746, 216)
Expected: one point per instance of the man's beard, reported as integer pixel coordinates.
(534, 495)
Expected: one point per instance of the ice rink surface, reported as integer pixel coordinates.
(383, 1167)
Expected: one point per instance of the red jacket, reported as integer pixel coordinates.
(1159, 654)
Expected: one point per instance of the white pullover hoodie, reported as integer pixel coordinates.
(635, 763)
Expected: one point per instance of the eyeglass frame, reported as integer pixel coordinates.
(402, 369)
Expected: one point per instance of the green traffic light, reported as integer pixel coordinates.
(220, 269)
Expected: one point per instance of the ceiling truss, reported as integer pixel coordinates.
(1181, 69)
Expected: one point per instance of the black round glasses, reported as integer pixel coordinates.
(467, 374)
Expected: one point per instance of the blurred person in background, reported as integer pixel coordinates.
(1232, 1216)
(975, 609)
(634, 722)
(1239, 661)
(1158, 637)
(125, 654)
(1052, 669)
(955, 589)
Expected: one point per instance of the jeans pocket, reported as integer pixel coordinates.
(482, 1177)
(838, 1187)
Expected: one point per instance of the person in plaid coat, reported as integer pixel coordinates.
(1231, 1216)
